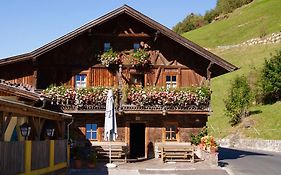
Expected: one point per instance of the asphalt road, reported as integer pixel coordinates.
(250, 162)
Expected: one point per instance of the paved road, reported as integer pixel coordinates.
(150, 172)
(249, 162)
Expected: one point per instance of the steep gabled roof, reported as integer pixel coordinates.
(138, 16)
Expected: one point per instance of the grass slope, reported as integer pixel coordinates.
(267, 121)
(244, 23)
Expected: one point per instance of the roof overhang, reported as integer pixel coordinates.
(30, 111)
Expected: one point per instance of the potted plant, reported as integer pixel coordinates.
(109, 58)
(140, 58)
(209, 144)
(92, 159)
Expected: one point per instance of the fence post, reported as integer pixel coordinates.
(52, 153)
(27, 159)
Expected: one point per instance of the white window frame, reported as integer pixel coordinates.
(80, 83)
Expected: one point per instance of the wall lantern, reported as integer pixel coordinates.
(25, 130)
(50, 132)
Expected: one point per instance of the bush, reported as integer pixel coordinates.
(228, 6)
(196, 139)
(270, 80)
(190, 22)
(238, 100)
(193, 21)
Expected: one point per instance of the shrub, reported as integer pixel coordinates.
(196, 139)
(238, 100)
(270, 80)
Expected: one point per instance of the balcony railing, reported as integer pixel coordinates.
(131, 99)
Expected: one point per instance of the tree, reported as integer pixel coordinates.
(270, 79)
(190, 22)
(238, 101)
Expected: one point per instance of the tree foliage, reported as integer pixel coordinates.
(228, 6)
(238, 101)
(193, 21)
(190, 22)
(270, 80)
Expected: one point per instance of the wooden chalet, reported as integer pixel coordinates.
(150, 61)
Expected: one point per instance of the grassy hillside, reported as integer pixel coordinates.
(243, 24)
(247, 59)
(250, 21)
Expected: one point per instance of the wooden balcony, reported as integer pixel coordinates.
(134, 109)
(138, 101)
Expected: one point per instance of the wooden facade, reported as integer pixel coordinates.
(171, 56)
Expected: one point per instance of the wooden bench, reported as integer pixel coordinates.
(177, 153)
(118, 152)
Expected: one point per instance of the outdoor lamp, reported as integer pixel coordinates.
(50, 132)
(25, 130)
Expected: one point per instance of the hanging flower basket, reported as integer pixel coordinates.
(110, 58)
(140, 59)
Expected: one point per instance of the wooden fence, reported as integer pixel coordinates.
(60, 151)
(33, 157)
(11, 157)
(40, 154)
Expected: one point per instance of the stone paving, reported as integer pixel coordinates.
(153, 166)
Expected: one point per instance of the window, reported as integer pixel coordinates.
(91, 131)
(171, 81)
(136, 46)
(137, 79)
(171, 132)
(80, 81)
(106, 46)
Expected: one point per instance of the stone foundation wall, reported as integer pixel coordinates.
(265, 145)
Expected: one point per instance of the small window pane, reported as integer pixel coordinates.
(77, 77)
(136, 46)
(173, 135)
(174, 78)
(168, 78)
(94, 127)
(168, 136)
(106, 46)
(88, 135)
(83, 76)
(94, 135)
(88, 127)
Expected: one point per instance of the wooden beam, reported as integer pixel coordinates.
(59, 131)
(158, 72)
(1, 125)
(26, 110)
(209, 73)
(35, 73)
(37, 124)
(6, 122)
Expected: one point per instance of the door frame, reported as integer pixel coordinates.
(146, 133)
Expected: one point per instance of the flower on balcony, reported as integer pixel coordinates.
(110, 58)
(208, 143)
(181, 97)
(62, 95)
(140, 58)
